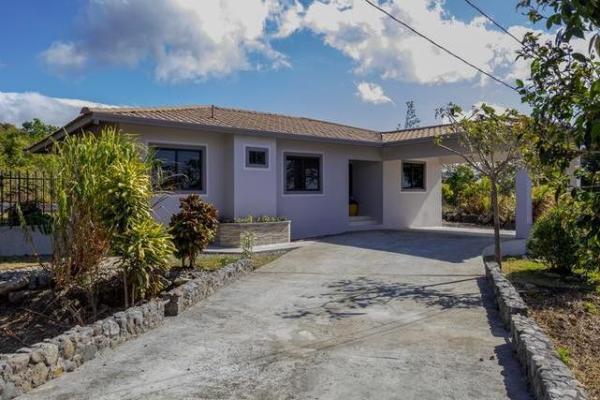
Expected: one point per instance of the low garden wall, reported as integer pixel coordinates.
(229, 234)
(13, 242)
(548, 376)
(32, 366)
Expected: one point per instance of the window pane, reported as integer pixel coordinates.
(189, 165)
(182, 169)
(257, 157)
(291, 174)
(413, 176)
(311, 174)
(302, 173)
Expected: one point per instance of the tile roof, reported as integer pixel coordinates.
(415, 133)
(236, 119)
(242, 119)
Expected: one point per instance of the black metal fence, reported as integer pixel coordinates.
(26, 197)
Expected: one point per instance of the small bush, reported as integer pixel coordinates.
(193, 228)
(247, 241)
(552, 241)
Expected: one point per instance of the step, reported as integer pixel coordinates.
(362, 220)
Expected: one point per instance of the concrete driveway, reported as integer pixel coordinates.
(371, 315)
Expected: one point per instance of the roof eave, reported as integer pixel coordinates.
(108, 117)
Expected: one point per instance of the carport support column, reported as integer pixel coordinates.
(524, 212)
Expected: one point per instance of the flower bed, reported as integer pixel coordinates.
(229, 234)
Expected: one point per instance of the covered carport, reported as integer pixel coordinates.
(423, 207)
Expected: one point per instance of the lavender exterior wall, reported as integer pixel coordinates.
(327, 212)
(238, 191)
(219, 163)
(255, 189)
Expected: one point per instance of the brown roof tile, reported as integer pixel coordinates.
(230, 118)
(415, 133)
(242, 119)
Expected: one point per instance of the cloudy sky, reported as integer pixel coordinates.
(338, 60)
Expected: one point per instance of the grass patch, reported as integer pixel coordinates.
(568, 309)
(213, 262)
(564, 354)
(9, 263)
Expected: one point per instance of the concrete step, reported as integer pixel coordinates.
(362, 220)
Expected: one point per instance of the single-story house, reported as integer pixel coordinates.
(256, 163)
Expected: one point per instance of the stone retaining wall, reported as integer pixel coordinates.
(229, 234)
(548, 376)
(507, 298)
(35, 365)
(188, 294)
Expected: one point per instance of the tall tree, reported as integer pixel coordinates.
(411, 120)
(564, 94)
(489, 142)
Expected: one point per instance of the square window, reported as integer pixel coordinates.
(302, 174)
(182, 169)
(413, 176)
(257, 157)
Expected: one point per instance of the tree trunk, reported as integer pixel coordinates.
(496, 215)
(125, 294)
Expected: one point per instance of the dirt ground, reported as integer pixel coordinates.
(568, 309)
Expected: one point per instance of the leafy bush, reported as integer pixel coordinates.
(103, 192)
(542, 200)
(552, 240)
(247, 240)
(193, 227)
(145, 256)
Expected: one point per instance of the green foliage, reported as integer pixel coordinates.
(103, 191)
(247, 240)
(564, 354)
(146, 249)
(564, 94)
(193, 227)
(553, 241)
(14, 141)
(492, 144)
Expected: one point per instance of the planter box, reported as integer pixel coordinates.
(229, 234)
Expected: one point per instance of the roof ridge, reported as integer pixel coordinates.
(294, 116)
(86, 110)
(414, 129)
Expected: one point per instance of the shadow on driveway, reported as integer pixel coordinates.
(347, 297)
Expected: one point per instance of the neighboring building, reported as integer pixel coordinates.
(253, 163)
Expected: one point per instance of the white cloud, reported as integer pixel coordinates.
(17, 108)
(184, 39)
(61, 55)
(372, 93)
(378, 44)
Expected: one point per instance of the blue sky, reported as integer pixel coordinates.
(310, 58)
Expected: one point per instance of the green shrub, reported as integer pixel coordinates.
(247, 240)
(552, 240)
(103, 191)
(147, 248)
(193, 227)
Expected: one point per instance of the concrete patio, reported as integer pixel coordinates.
(369, 315)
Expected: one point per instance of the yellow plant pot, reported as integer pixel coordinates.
(353, 210)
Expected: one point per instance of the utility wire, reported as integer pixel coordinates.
(500, 81)
(492, 20)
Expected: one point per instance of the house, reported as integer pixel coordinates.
(255, 163)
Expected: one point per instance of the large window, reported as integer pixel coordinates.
(302, 173)
(413, 176)
(183, 169)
